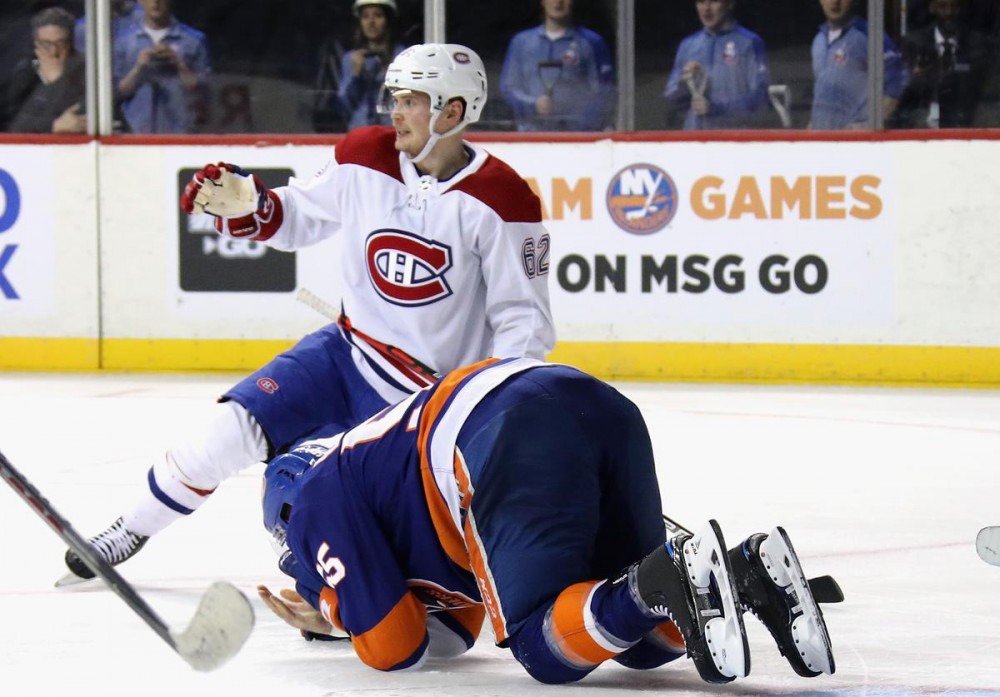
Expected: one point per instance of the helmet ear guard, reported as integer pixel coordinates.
(282, 484)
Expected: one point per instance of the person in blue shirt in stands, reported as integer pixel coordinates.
(720, 76)
(362, 69)
(161, 70)
(558, 76)
(840, 69)
(125, 15)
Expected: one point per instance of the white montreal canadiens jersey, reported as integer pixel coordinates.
(449, 272)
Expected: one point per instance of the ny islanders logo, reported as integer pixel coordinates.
(729, 53)
(642, 199)
(406, 269)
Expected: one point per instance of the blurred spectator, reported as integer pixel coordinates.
(840, 69)
(947, 62)
(362, 69)
(125, 15)
(161, 71)
(720, 77)
(15, 48)
(558, 76)
(46, 94)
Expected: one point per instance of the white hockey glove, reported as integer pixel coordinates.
(243, 207)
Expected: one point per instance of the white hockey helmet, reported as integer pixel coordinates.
(386, 4)
(443, 72)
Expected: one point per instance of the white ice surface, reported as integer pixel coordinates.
(883, 488)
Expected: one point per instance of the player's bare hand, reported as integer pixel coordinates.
(295, 611)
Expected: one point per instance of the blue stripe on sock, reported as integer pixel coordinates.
(162, 497)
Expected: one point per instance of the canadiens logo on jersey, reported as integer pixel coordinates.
(268, 385)
(406, 269)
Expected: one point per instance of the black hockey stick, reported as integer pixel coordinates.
(220, 625)
(825, 589)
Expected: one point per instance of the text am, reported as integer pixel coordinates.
(564, 200)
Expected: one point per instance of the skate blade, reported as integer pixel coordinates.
(726, 634)
(71, 579)
(808, 630)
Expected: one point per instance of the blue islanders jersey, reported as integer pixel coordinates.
(486, 494)
(735, 62)
(377, 529)
(840, 68)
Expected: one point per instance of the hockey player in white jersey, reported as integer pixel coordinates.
(445, 262)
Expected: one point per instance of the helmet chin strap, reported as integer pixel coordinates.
(435, 137)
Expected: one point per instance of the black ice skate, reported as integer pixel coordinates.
(116, 544)
(689, 580)
(772, 586)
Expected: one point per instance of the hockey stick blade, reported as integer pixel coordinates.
(825, 589)
(218, 630)
(220, 625)
(988, 544)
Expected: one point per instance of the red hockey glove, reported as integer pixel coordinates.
(243, 207)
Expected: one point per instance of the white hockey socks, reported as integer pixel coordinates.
(182, 480)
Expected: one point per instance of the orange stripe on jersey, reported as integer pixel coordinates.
(329, 607)
(396, 637)
(484, 579)
(462, 479)
(666, 635)
(569, 628)
(444, 525)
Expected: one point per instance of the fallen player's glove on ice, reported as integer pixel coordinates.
(243, 207)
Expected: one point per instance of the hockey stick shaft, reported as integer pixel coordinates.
(40, 505)
(825, 589)
(221, 624)
(310, 299)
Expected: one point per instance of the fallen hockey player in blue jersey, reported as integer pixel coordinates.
(522, 493)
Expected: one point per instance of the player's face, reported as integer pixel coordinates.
(373, 22)
(836, 11)
(411, 116)
(714, 13)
